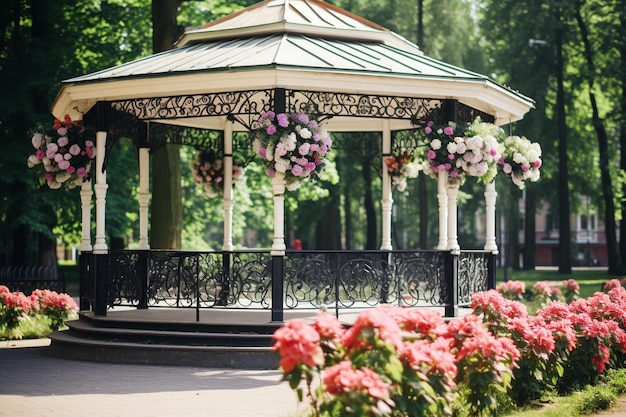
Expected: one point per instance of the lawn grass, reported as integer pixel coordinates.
(589, 279)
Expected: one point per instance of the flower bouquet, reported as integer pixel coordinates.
(208, 170)
(63, 155)
(402, 165)
(472, 150)
(292, 146)
(520, 160)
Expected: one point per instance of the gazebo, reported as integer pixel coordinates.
(284, 56)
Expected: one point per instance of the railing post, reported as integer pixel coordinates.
(451, 280)
(225, 279)
(278, 263)
(85, 280)
(101, 274)
(143, 272)
(491, 270)
(278, 248)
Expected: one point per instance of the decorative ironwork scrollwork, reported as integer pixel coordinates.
(233, 103)
(362, 105)
(123, 286)
(473, 269)
(313, 279)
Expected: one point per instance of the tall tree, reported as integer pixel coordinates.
(616, 266)
(565, 260)
(621, 37)
(166, 207)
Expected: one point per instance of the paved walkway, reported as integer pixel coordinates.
(33, 384)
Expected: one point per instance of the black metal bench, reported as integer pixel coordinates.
(28, 278)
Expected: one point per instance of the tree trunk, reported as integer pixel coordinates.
(565, 259)
(529, 229)
(166, 212)
(167, 207)
(347, 209)
(622, 135)
(616, 265)
(421, 180)
(329, 229)
(370, 210)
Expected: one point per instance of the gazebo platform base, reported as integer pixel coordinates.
(220, 338)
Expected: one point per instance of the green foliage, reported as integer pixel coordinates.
(595, 399)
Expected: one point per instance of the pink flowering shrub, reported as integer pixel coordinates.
(57, 307)
(571, 290)
(394, 362)
(15, 306)
(599, 337)
(513, 290)
(541, 355)
(545, 292)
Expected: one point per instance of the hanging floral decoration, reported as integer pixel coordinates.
(401, 165)
(520, 160)
(208, 170)
(462, 150)
(292, 146)
(63, 155)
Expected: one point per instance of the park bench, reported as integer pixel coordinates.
(28, 278)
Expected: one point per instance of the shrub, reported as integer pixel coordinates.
(15, 307)
(394, 361)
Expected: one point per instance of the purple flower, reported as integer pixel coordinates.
(271, 129)
(282, 120)
(525, 168)
(448, 131)
(270, 172)
(63, 140)
(450, 156)
(431, 154)
(310, 166)
(263, 152)
(428, 130)
(297, 170)
(303, 118)
(81, 172)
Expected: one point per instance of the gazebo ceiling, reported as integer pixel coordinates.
(302, 45)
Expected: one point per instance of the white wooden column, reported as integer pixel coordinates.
(278, 245)
(452, 192)
(442, 197)
(86, 194)
(228, 187)
(100, 245)
(144, 196)
(387, 200)
(490, 217)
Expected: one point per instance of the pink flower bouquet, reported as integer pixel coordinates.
(292, 146)
(62, 156)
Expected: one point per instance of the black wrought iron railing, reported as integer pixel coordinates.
(331, 280)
